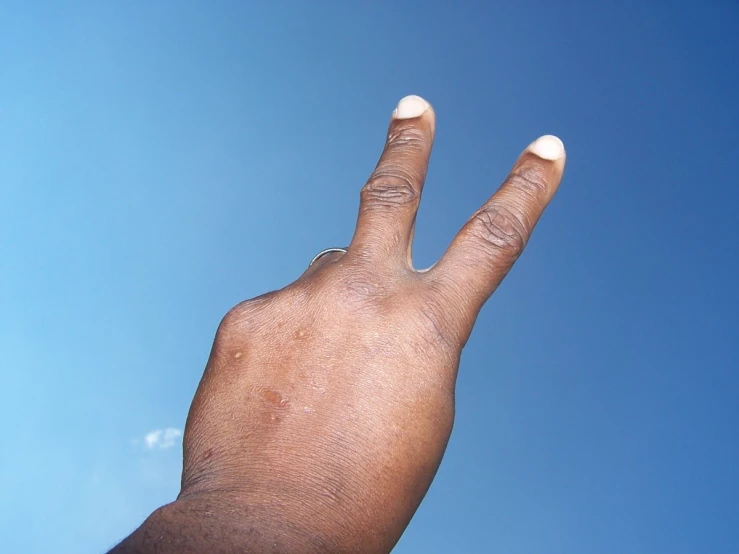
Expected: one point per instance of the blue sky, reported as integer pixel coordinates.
(161, 161)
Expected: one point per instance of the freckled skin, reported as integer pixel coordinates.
(325, 407)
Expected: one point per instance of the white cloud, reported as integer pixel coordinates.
(162, 438)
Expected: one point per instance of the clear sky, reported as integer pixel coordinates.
(161, 161)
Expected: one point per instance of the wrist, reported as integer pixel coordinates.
(209, 523)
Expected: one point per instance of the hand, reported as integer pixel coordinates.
(326, 407)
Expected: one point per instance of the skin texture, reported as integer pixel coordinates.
(325, 407)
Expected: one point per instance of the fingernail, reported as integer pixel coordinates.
(548, 147)
(410, 107)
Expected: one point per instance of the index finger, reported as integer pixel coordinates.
(491, 241)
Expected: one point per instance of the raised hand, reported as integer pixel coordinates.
(326, 406)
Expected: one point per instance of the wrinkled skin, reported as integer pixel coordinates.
(326, 407)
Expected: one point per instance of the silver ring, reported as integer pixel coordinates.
(322, 253)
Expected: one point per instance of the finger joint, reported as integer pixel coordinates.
(501, 228)
(390, 187)
(529, 179)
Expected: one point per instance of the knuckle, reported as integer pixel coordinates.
(500, 228)
(358, 290)
(390, 186)
(395, 181)
(244, 315)
(235, 316)
(235, 323)
(529, 179)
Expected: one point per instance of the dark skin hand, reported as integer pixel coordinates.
(326, 406)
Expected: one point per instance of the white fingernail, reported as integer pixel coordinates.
(548, 147)
(410, 107)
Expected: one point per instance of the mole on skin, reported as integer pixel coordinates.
(274, 397)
